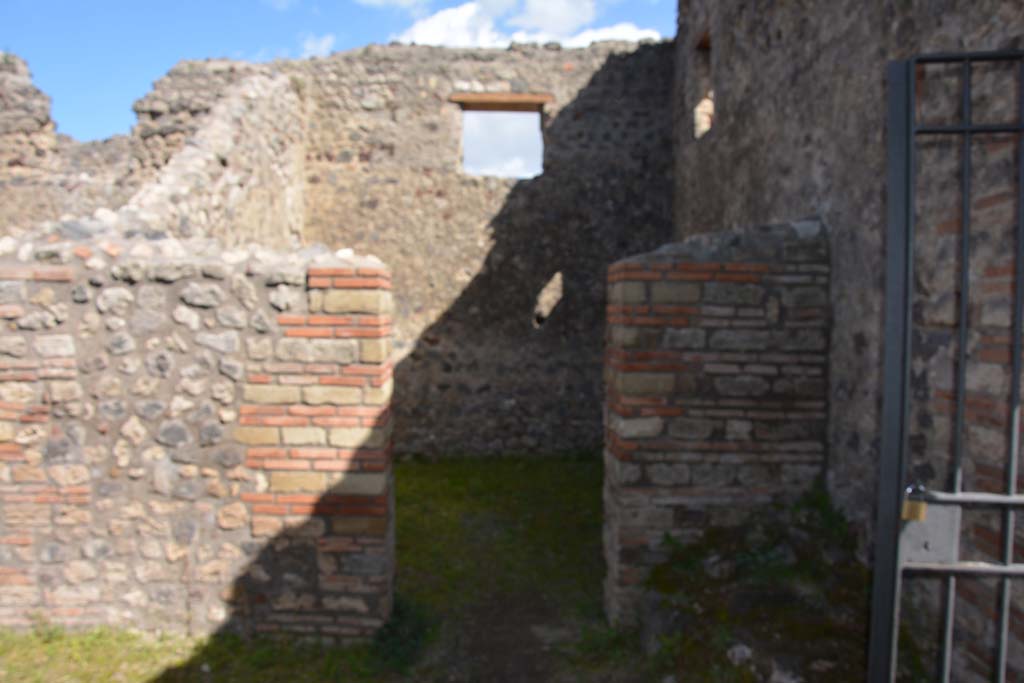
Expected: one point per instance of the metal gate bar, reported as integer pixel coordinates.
(889, 565)
(1009, 521)
(961, 362)
(885, 589)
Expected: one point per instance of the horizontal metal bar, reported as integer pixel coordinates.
(969, 498)
(959, 128)
(975, 568)
(954, 57)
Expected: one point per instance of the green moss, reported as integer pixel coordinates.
(784, 581)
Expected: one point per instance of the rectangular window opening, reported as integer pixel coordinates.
(502, 134)
(704, 93)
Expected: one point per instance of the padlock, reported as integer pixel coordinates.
(914, 510)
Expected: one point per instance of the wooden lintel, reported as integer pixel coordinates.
(501, 101)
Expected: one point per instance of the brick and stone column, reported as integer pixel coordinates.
(716, 374)
(42, 493)
(317, 422)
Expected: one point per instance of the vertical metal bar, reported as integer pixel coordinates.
(956, 480)
(908, 333)
(949, 607)
(1009, 518)
(883, 643)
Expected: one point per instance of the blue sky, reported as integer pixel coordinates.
(94, 58)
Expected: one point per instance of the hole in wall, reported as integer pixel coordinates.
(502, 143)
(547, 300)
(704, 110)
(704, 115)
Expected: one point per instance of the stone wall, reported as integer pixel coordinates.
(716, 375)
(472, 255)
(27, 135)
(792, 139)
(193, 438)
(363, 149)
(240, 177)
(178, 105)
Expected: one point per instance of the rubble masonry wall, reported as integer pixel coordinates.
(194, 439)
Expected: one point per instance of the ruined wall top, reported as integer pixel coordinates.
(778, 243)
(386, 87)
(27, 135)
(386, 103)
(45, 175)
(25, 107)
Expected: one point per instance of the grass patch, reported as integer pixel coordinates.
(469, 530)
(226, 658)
(472, 535)
(399, 644)
(48, 654)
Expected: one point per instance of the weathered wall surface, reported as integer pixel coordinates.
(176, 107)
(716, 391)
(240, 178)
(194, 438)
(799, 129)
(471, 255)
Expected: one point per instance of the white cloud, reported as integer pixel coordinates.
(281, 5)
(477, 24)
(554, 17)
(467, 25)
(498, 8)
(624, 31)
(504, 144)
(515, 167)
(313, 46)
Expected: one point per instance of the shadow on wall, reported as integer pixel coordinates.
(490, 366)
(501, 370)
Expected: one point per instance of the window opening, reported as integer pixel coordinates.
(502, 133)
(704, 110)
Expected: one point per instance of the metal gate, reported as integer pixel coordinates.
(912, 136)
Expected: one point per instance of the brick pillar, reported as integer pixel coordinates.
(42, 496)
(716, 390)
(317, 422)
